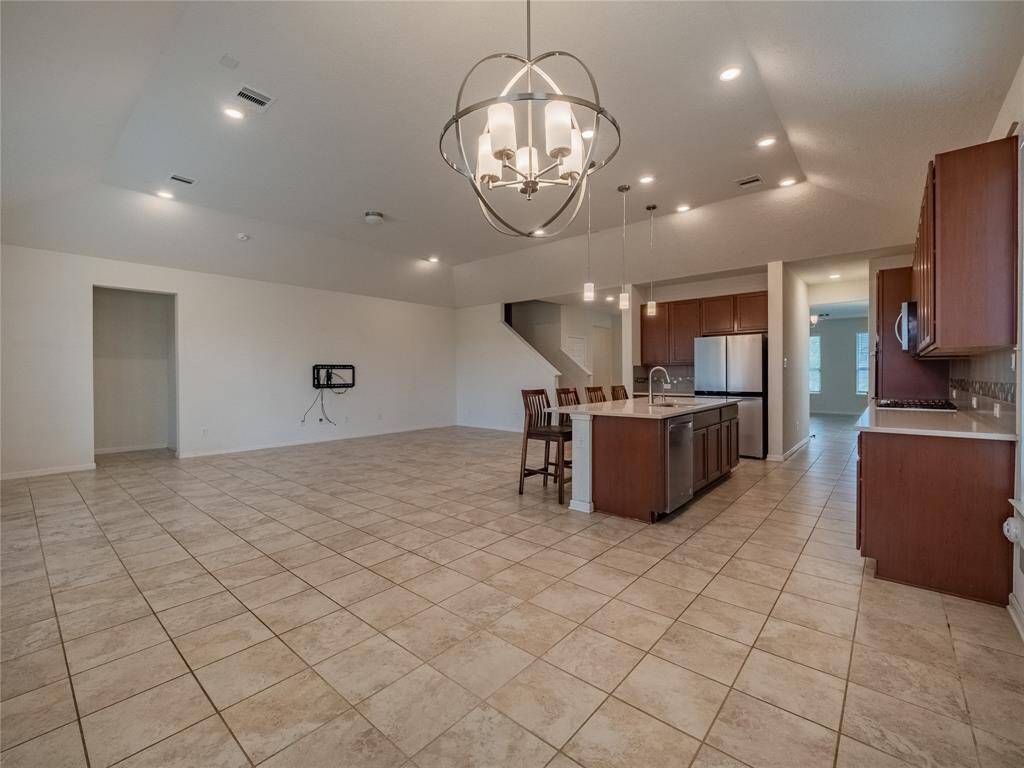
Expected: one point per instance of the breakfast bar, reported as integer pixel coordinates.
(643, 460)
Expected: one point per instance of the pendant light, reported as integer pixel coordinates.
(624, 294)
(652, 308)
(588, 286)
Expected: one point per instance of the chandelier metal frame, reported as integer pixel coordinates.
(534, 180)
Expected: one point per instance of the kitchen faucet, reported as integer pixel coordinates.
(650, 384)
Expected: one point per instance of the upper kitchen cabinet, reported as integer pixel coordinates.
(717, 315)
(684, 327)
(964, 270)
(654, 340)
(752, 312)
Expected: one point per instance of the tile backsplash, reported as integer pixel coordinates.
(990, 375)
(680, 378)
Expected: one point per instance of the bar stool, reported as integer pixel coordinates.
(566, 396)
(537, 426)
(596, 395)
(619, 392)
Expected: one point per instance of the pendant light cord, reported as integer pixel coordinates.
(652, 255)
(588, 233)
(529, 47)
(624, 241)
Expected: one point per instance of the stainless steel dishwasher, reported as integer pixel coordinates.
(678, 462)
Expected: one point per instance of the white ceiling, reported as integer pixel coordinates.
(103, 96)
(842, 310)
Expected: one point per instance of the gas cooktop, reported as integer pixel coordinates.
(916, 405)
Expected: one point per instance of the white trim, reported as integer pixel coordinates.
(1016, 614)
(47, 471)
(790, 452)
(289, 443)
(130, 448)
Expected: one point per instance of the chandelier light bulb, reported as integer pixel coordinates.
(488, 167)
(588, 291)
(588, 134)
(558, 129)
(527, 161)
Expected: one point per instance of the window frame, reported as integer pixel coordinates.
(867, 363)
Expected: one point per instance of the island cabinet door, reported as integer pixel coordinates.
(700, 458)
(726, 445)
(734, 443)
(714, 452)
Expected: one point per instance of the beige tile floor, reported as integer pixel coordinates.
(391, 601)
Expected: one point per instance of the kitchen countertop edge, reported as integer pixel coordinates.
(616, 408)
(964, 423)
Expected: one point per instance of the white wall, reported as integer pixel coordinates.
(493, 363)
(245, 350)
(133, 370)
(795, 332)
(839, 367)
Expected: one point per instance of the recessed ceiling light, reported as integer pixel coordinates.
(609, 298)
(766, 141)
(646, 179)
(588, 134)
(538, 232)
(682, 208)
(834, 277)
(165, 194)
(729, 74)
(787, 182)
(234, 114)
(433, 259)
(243, 236)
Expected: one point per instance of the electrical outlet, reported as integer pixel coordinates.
(995, 410)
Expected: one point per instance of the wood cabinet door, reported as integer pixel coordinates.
(926, 266)
(734, 456)
(700, 458)
(717, 315)
(971, 222)
(654, 336)
(683, 328)
(726, 445)
(751, 312)
(714, 452)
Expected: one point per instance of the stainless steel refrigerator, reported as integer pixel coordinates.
(737, 366)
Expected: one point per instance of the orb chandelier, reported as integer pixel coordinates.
(569, 125)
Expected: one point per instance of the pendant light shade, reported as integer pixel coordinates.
(588, 286)
(501, 120)
(558, 128)
(488, 167)
(624, 294)
(652, 307)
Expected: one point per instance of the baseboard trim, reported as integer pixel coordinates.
(47, 471)
(1016, 614)
(291, 443)
(790, 452)
(130, 448)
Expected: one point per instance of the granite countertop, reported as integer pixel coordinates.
(976, 424)
(638, 408)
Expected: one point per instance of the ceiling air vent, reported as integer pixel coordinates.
(182, 179)
(750, 182)
(254, 99)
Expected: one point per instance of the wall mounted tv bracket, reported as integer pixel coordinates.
(338, 377)
(334, 376)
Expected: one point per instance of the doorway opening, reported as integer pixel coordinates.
(135, 392)
(837, 363)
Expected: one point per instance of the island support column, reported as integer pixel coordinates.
(582, 479)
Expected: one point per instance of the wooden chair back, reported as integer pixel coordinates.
(619, 392)
(596, 395)
(566, 396)
(535, 405)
